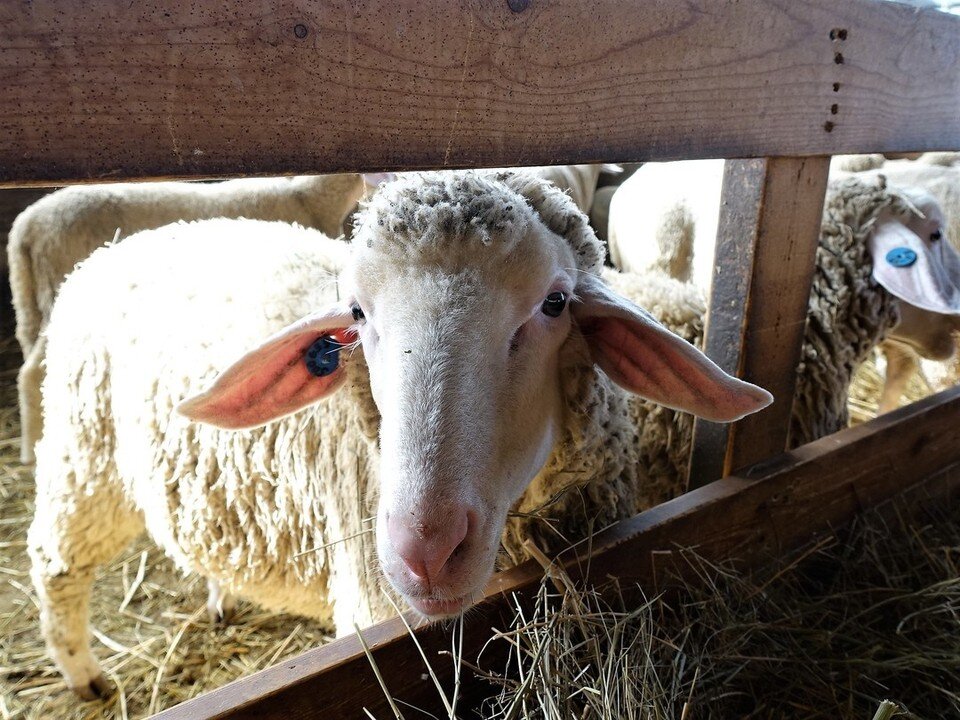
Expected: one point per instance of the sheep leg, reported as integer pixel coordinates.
(221, 605)
(28, 387)
(73, 532)
(902, 363)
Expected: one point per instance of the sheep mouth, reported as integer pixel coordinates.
(435, 609)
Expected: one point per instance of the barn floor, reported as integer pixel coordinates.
(735, 650)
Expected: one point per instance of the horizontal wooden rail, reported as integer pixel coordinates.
(770, 509)
(109, 90)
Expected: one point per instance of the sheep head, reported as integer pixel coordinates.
(463, 290)
(915, 261)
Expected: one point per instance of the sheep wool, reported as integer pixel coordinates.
(849, 313)
(260, 511)
(50, 237)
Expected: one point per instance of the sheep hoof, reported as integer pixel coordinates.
(97, 689)
(221, 605)
(221, 615)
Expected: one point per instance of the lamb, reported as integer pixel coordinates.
(49, 238)
(497, 371)
(685, 213)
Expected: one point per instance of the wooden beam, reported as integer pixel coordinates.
(765, 259)
(109, 90)
(763, 513)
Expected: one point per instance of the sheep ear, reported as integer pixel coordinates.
(642, 356)
(294, 368)
(924, 272)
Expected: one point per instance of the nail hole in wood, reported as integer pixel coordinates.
(838, 58)
(828, 126)
(836, 87)
(834, 109)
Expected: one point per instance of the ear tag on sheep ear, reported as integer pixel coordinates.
(901, 257)
(323, 356)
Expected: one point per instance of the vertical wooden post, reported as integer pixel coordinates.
(765, 257)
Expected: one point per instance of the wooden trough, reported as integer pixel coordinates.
(104, 90)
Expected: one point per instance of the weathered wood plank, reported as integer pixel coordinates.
(108, 90)
(764, 264)
(763, 513)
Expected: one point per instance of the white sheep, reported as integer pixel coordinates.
(659, 212)
(492, 349)
(925, 338)
(682, 219)
(51, 236)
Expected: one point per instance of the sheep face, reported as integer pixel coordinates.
(915, 261)
(463, 349)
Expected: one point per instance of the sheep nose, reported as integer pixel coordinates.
(424, 547)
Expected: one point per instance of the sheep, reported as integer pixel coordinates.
(925, 338)
(685, 213)
(49, 238)
(497, 371)
(659, 211)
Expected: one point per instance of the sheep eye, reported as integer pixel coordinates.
(357, 312)
(936, 235)
(554, 304)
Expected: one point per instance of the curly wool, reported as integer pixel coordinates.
(425, 214)
(849, 313)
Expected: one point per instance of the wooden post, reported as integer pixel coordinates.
(766, 248)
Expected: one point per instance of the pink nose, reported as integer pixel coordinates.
(426, 547)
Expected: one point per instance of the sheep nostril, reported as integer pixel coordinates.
(426, 547)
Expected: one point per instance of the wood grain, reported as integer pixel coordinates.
(764, 264)
(110, 90)
(758, 515)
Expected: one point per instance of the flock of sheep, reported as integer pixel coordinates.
(249, 388)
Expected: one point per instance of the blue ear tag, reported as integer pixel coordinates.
(901, 257)
(323, 357)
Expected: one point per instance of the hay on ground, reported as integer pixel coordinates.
(861, 624)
